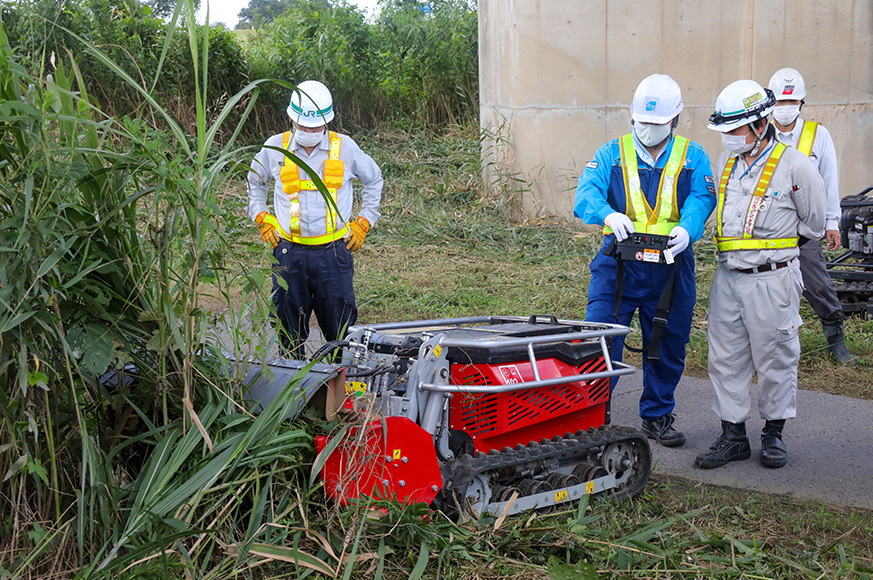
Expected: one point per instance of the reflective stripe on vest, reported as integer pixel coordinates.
(747, 242)
(665, 216)
(334, 171)
(807, 138)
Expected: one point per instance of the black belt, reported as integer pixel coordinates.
(316, 246)
(764, 267)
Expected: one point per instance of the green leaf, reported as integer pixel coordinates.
(292, 555)
(321, 459)
(93, 345)
(16, 467)
(421, 565)
(55, 257)
(559, 570)
(18, 319)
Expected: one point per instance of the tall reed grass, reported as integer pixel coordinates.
(109, 227)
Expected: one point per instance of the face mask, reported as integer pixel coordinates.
(650, 135)
(736, 143)
(786, 114)
(308, 139)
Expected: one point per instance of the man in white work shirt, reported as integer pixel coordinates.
(814, 141)
(769, 195)
(312, 235)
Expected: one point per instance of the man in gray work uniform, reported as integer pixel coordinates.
(814, 141)
(312, 236)
(769, 195)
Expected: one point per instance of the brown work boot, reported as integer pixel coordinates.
(731, 445)
(662, 431)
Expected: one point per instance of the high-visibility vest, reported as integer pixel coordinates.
(292, 184)
(807, 138)
(665, 216)
(747, 242)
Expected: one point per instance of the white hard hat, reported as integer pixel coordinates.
(740, 103)
(311, 105)
(658, 99)
(787, 85)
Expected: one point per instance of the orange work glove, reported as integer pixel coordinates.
(357, 233)
(268, 230)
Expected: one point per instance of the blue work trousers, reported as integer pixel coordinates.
(320, 279)
(643, 285)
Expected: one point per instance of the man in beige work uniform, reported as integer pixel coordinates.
(769, 194)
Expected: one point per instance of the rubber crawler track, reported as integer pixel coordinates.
(514, 464)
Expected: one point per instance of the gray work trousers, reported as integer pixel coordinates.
(753, 322)
(817, 284)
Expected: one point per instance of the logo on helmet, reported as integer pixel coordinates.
(788, 90)
(651, 104)
(752, 99)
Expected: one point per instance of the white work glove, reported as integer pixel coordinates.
(620, 225)
(679, 239)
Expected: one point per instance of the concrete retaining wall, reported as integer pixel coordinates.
(557, 77)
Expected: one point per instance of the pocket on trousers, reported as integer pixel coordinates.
(787, 331)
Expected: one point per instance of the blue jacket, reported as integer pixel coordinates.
(601, 186)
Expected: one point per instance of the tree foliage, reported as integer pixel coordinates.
(260, 12)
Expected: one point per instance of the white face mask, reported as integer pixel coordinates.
(736, 143)
(650, 135)
(308, 139)
(786, 114)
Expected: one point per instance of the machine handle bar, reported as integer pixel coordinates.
(619, 369)
(443, 323)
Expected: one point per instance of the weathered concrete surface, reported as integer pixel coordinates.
(557, 78)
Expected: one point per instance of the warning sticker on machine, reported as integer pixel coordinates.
(510, 374)
(560, 495)
(651, 255)
(353, 387)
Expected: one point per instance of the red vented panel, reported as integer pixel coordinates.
(498, 420)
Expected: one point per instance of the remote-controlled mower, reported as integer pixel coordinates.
(489, 414)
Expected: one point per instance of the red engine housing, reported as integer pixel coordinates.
(499, 420)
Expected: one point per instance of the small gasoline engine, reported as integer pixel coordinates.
(474, 415)
(852, 271)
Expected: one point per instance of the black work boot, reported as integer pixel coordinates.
(662, 431)
(835, 335)
(773, 452)
(731, 445)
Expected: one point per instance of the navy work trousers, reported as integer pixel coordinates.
(320, 279)
(643, 284)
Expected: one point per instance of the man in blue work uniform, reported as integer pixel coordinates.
(655, 182)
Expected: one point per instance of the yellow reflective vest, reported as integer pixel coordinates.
(807, 138)
(665, 216)
(747, 242)
(292, 184)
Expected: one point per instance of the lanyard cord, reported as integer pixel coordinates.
(761, 156)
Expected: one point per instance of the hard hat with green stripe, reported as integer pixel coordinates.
(740, 103)
(311, 105)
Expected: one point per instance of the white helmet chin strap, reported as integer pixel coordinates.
(754, 151)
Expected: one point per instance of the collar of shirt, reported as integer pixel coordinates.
(793, 136)
(644, 154)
